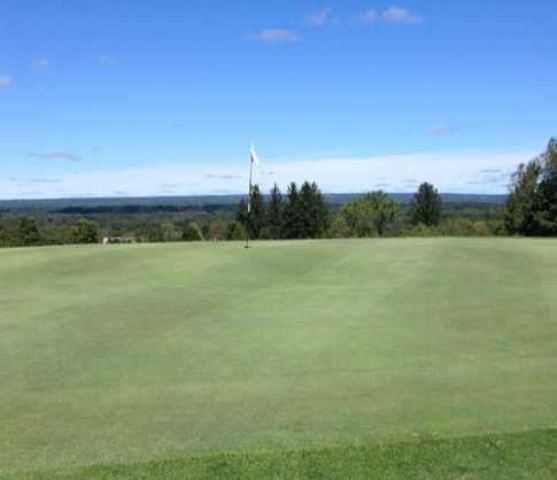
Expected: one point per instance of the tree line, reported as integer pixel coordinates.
(302, 212)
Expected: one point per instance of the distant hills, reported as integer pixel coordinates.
(187, 202)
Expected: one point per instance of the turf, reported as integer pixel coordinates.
(128, 357)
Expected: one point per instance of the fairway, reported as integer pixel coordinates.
(129, 354)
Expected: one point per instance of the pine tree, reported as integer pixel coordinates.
(291, 212)
(275, 214)
(256, 220)
(427, 206)
(257, 214)
(321, 211)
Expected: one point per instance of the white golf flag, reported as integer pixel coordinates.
(253, 155)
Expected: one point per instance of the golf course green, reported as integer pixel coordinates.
(421, 358)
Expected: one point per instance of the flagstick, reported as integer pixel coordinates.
(249, 201)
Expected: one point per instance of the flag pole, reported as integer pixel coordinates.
(249, 199)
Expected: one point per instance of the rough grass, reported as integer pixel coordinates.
(125, 357)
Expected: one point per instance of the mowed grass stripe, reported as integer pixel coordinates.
(489, 457)
(126, 354)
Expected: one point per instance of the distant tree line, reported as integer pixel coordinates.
(302, 213)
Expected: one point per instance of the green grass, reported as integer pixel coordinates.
(413, 356)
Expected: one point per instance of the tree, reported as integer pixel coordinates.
(312, 212)
(257, 214)
(275, 214)
(545, 202)
(2, 233)
(191, 232)
(256, 219)
(28, 232)
(292, 212)
(371, 215)
(170, 233)
(518, 212)
(339, 228)
(357, 215)
(531, 208)
(427, 206)
(85, 231)
(154, 234)
(235, 231)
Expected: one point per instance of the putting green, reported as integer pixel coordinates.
(134, 353)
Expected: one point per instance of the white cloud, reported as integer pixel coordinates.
(458, 172)
(320, 18)
(57, 155)
(41, 63)
(279, 36)
(368, 17)
(400, 15)
(5, 81)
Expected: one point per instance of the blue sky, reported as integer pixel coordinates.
(113, 97)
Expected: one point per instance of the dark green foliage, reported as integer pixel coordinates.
(292, 220)
(545, 207)
(357, 216)
(526, 455)
(192, 232)
(531, 208)
(257, 213)
(170, 232)
(311, 212)
(2, 233)
(275, 213)
(236, 231)
(518, 214)
(28, 232)
(427, 206)
(241, 213)
(304, 214)
(154, 233)
(371, 215)
(86, 231)
(255, 220)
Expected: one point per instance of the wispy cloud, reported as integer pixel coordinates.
(458, 172)
(105, 59)
(321, 18)
(400, 15)
(279, 36)
(44, 180)
(41, 64)
(368, 17)
(5, 81)
(491, 176)
(222, 176)
(443, 130)
(57, 155)
(392, 15)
